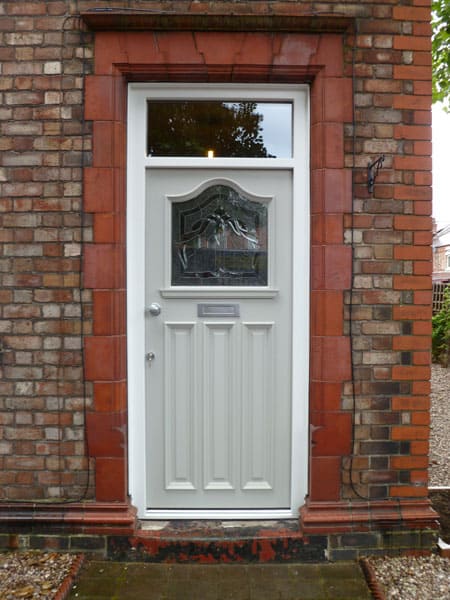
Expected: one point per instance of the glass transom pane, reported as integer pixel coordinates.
(219, 238)
(240, 129)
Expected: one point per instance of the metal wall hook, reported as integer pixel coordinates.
(372, 172)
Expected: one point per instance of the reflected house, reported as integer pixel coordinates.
(441, 255)
(212, 312)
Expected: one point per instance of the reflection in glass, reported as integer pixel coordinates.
(230, 129)
(219, 238)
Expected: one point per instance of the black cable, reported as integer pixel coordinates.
(353, 274)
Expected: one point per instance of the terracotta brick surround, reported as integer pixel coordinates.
(368, 67)
(129, 55)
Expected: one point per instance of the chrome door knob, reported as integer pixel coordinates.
(154, 309)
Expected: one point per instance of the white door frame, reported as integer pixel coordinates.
(137, 163)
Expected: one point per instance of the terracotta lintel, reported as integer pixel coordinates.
(121, 20)
(345, 516)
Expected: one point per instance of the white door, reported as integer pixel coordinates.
(218, 338)
(217, 307)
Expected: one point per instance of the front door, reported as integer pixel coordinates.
(218, 338)
(217, 300)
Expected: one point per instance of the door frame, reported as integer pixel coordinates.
(137, 163)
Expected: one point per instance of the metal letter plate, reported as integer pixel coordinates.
(218, 310)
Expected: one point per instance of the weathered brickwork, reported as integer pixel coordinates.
(390, 230)
(370, 252)
(44, 145)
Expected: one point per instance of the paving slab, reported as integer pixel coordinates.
(294, 581)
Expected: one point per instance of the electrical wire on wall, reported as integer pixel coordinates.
(353, 454)
(352, 279)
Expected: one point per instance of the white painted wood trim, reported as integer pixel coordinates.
(218, 292)
(137, 162)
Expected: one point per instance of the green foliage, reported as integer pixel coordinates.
(441, 332)
(440, 21)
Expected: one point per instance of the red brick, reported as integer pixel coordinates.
(325, 396)
(110, 482)
(109, 312)
(103, 144)
(105, 358)
(327, 146)
(419, 477)
(411, 163)
(325, 476)
(412, 132)
(422, 237)
(331, 434)
(106, 434)
(337, 102)
(420, 418)
(412, 253)
(327, 312)
(423, 297)
(411, 13)
(100, 97)
(412, 72)
(110, 397)
(422, 29)
(410, 342)
(409, 491)
(104, 266)
(423, 327)
(327, 229)
(419, 448)
(406, 222)
(337, 267)
(423, 208)
(409, 433)
(410, 42)
(411, 282)
(423, 268)
(323, 367)
(409, 462)
(98, 189)
(400, 372)
(108, 229)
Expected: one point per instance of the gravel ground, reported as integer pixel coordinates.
(440, 427)
(33, 575)
(413, 578)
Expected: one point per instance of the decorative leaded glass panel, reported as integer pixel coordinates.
(219, 238)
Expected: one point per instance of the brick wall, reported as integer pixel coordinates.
(45, 144)
(392, 235)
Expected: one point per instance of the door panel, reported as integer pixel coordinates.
(218, 390)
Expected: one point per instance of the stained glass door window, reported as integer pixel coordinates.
(219, 238)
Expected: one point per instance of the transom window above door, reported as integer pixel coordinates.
(213, 129)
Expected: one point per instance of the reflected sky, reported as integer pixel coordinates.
(277, 128)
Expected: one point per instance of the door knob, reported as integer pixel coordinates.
(154, 309)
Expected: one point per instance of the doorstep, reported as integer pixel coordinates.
(218, 542)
